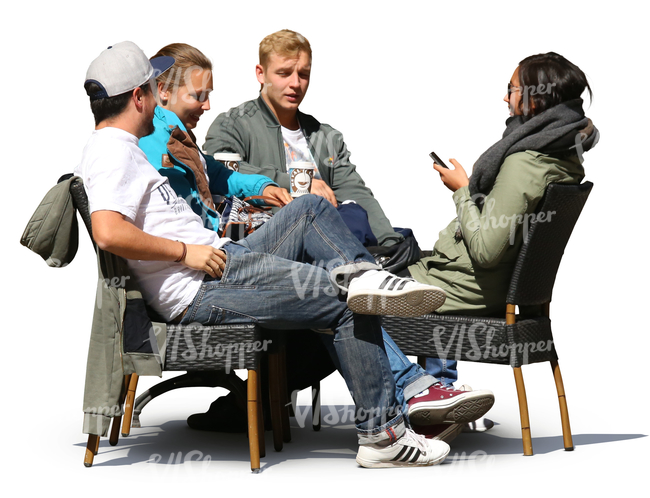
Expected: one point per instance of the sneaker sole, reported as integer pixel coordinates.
(416, 302)
(450, 432)
(462, 412)
(378, 464)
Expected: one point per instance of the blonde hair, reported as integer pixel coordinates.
(187, 59)
(285, 43)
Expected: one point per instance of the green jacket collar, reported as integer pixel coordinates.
(305, 120)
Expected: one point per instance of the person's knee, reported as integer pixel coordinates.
(311, 201)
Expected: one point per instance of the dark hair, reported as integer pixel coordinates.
(548, 80)
(112, 106)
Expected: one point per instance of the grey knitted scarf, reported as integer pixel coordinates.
(561, 129)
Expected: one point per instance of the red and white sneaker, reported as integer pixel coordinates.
(480, 424)
(444, 404)
(442, 432)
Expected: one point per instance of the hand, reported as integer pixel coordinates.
(452, 178)
(281, 196)
(319, 187)
(205, 258)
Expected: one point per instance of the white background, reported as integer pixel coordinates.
(398, 80)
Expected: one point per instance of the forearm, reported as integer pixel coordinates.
(114, 234)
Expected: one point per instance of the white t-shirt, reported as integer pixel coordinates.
(118, 177)
(296, 149)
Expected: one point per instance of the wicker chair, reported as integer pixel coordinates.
(513, 340)
(207, 369)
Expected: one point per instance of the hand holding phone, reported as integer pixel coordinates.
(437, 160)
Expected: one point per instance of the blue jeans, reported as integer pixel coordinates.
(410, 378)
(284, 276)
(444, 370)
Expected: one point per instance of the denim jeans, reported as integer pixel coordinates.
(284, 276)
(444, 370)
(410, 378)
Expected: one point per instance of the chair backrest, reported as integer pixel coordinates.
(80, 200)
(545, 237)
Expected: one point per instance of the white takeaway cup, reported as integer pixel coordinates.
(301, 175)
(230, 159)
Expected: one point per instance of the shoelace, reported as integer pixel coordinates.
(418, 440)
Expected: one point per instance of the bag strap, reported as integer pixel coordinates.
(260, 198)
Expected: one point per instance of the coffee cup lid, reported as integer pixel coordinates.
(227, 156)
(302, 165)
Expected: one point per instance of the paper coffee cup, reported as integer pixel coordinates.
(230, 159)
(301, 175)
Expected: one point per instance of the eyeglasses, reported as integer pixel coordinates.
(512, 88)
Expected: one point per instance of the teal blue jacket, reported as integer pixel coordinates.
(222, 181)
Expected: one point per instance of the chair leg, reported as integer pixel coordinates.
(315, 406)
(91, 449)
(523, 412)
(253, 422)
(128, 404)
(564, 411)
(117, 420)
(115, 430)
(422, 361)
(274, 398)
(284, 402)
(260, 416)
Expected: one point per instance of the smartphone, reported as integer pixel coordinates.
(437, 160)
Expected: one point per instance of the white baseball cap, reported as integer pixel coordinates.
(122, 67)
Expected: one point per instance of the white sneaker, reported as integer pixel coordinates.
(382, 293)
(411, 450)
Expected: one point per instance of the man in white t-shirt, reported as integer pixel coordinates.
(287, 275)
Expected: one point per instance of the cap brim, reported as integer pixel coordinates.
(161, 64)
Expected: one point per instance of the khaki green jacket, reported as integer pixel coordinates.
(123, 340)
(475, 272)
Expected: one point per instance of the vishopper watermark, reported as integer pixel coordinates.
(488, 220)
(103, 284)
(479, 337)
(179, 458)
(340, 415)
(462, 461)
(178, 77)
(313, 281)
(196, 342)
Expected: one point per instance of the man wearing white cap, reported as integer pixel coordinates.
(286, 275)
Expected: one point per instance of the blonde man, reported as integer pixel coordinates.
(270, 133)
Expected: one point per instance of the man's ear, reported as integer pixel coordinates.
(138, 98)
(259, 72)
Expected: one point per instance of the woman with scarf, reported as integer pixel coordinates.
(543, 143)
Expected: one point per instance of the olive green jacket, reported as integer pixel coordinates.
(475, 272)
(123, 339)
(252, 131)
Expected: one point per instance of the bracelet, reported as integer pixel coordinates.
(182, 258)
